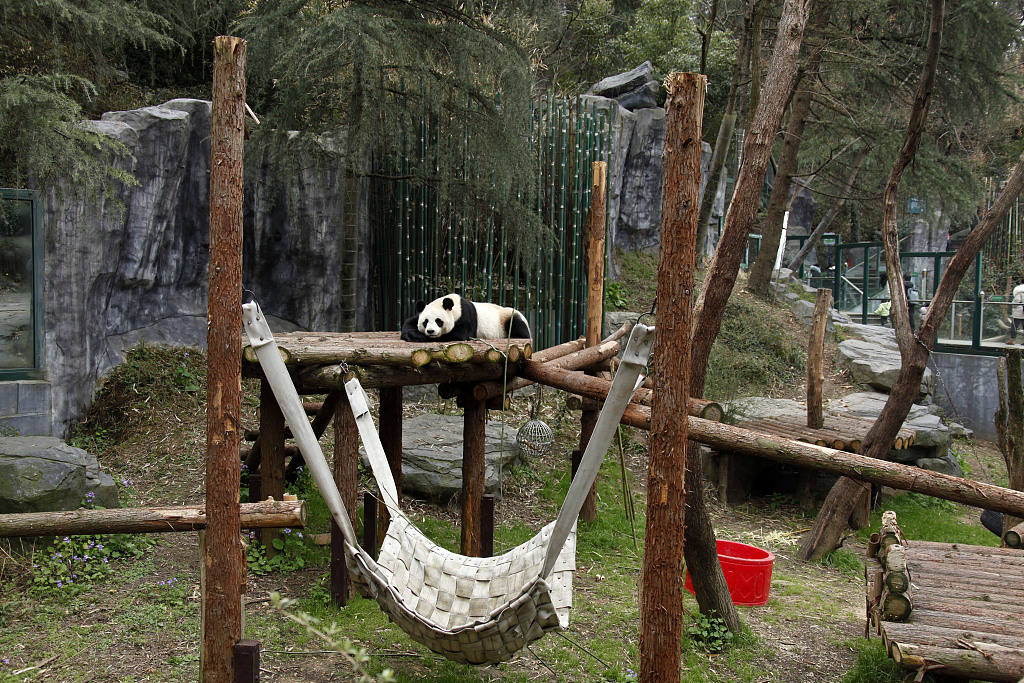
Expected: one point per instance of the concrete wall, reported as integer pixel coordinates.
(966, 389)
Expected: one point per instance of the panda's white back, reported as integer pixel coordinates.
(491, 320)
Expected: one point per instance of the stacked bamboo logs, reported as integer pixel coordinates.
(965, 623)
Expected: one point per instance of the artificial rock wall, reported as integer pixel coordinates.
(117, 277)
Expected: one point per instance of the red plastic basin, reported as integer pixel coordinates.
(748, 572)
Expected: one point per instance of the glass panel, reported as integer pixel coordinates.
(16, 332)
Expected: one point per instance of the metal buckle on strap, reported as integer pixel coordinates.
(638, 348)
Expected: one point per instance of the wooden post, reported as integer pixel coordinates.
(594, 262)
(222, 603)
(346, 476)
(246, 661)
(391, 440)
(271, 457)
(369, 523)
(661, 592)
(816, 359)
(487, 525)
(473, 425)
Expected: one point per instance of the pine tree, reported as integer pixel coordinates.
(54, 57)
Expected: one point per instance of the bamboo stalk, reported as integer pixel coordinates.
(268, 514)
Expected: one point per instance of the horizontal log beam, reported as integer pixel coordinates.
(988, 662)
(328, 377)
(597, 388)
(723, 437)
(271, 514)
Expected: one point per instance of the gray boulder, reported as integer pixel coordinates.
(432, 455)
(42, 473)
(616, 85)
(613, 320)
(804, 312)
(877, 365)
(947, 465)
(757, 407)
(644, 97)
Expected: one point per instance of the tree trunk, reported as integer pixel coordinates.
(661, 593)
(771, 226)
(721, 274)
(820, 229)
(222, 554)
(915, 354)
(700, 548)
(1009, 420)
(705, 38)
(846, 496)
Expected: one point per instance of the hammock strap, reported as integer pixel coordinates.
(627, 380)
(262, 342)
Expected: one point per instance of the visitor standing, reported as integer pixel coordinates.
(1017, 311)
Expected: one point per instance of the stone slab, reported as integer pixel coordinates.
(33, 396)
(42, 473)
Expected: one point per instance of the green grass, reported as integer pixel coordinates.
(873, 664)
(924, 518)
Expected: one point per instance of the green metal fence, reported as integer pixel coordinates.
(424, 247)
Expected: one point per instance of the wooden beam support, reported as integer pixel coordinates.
(816, 359)
(473, 440)
(346, 476)
(222, 603)
(391, 440)
(272, 452)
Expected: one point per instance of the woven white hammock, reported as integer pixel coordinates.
(478, 610)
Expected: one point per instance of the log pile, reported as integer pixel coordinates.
(965, 622)
(839, 432)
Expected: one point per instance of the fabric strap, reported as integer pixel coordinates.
(627, 380)
(262, 342)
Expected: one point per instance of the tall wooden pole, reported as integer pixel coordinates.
(816, 359)
(594, 256)
(474, 424)
(661, 597)
(222, 607)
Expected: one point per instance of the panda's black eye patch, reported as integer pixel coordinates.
(440, 323)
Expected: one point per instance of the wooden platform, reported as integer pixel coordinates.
(967, 621)
(382, 359)
(841, 433)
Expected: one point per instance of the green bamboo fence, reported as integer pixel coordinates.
(425, 247)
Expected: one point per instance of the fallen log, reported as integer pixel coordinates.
(944, 636)
(597, 388)
(267, 514)
(987, 662)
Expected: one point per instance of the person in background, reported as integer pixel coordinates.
(912, 299)
(1017, 311)
(883, 311)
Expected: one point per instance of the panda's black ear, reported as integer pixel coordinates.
(420, 306)
(447, 303)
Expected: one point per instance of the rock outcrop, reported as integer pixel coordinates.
(140, 273)
(432, 455)
(42, 473)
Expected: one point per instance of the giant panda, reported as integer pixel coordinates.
(452, 318)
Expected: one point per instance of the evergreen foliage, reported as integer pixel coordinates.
(54, 55)
(376, 76)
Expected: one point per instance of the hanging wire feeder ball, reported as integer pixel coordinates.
(535, 438)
